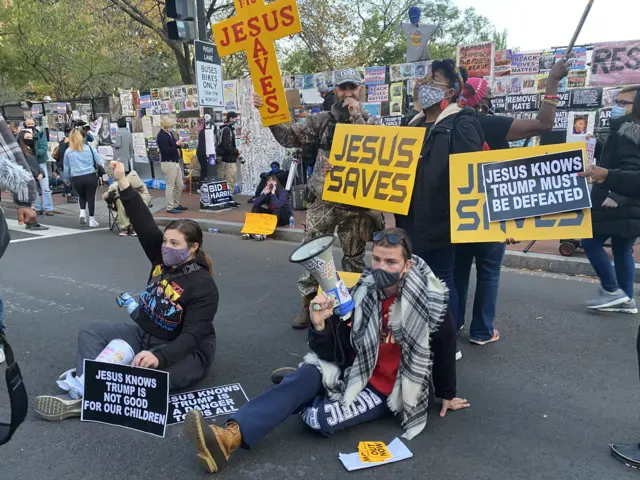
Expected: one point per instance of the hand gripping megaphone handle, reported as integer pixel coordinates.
(316, 308)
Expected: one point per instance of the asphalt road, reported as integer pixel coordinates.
(546, 400)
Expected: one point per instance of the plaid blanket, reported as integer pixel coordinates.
(421, 307)
(23, 186)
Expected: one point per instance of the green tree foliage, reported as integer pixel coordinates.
(364, 33)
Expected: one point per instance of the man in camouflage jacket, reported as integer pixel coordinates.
(355, 225)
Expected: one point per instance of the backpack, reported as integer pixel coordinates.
(219, 132)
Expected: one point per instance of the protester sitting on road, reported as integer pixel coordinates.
(112, 197)
(173, 328)
(26, 143)
(17, 177)
(379, 362)
(617, 216)
(81, 168)
(273, 200)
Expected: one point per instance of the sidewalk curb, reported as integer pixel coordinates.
(512, 259)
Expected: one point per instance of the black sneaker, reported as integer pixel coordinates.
(180, 207)
(36, 226)
(279, 373)
(628, 454)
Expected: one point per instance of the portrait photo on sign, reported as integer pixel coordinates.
(580, 125)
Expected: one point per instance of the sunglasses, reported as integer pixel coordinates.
(392, 238)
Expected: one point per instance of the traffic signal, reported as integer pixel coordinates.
(182, 28)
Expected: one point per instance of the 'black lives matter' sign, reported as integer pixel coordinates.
(125, 396)
(212, 402)
(535, 186)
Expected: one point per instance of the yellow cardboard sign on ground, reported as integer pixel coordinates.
(469, 219)
(253, 30)
(259, 223)
(373, 166)
(371, 452)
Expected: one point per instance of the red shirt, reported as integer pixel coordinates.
(386, 370)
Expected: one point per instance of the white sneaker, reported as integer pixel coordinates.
(93, 223)
(630, 307)
(83, 220)
(2, 357)
(459, 355)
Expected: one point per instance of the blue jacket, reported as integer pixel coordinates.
(168, 147)
(80, 163)
(279, 200)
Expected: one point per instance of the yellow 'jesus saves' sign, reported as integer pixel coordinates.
(374, 167)
(469, 218)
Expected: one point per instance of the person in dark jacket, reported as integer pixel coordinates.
(329, 97)
(170, 166)
(617, 216)
(449, 129)
(201, 155)
(173, 329)
(378, 361)
(26, 142)
(273, 200)
(227, 150)
(281, 175)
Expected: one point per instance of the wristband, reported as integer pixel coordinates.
(552, 97)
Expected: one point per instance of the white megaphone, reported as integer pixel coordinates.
(316, 256)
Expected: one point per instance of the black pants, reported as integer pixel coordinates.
(86, 186)
(281, 213)
(97, 335)
(204, 169)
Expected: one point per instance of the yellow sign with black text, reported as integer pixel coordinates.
(259, 223)
(469, 218)
(373, 167)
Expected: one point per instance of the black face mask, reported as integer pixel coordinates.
(28, 142)
(384, 279)
(17, 394)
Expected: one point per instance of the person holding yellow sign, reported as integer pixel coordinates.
(355, 225)
(449, 129)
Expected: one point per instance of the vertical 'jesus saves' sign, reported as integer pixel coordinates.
(254, 29)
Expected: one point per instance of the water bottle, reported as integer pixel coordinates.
(127, 301)
(213, 230)
(236, 189)
(292, 222)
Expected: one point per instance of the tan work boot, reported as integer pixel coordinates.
(303, 320)
(214, 444)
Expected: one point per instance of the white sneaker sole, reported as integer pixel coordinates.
(83, 221)
(612, 303)
(483, 342)
(630, 311)
(55, 409)
(458, 355)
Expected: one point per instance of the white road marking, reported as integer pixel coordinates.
(51, 233)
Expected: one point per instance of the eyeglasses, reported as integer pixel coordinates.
(392, 238)
(623, 103)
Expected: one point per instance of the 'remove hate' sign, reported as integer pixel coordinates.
(373, 166)
(130, 397)
(535, 186)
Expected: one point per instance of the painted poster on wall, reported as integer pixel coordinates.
(230, 95)
(526, 63)
(579, 125)
(615, 63)
(477, 58)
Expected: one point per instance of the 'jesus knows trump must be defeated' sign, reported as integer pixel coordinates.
(373, 167)
(534, 186)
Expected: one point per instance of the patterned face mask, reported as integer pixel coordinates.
(429, 96)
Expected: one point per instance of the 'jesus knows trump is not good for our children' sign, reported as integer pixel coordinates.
(535, 186)
(470, 222)
(373, 166)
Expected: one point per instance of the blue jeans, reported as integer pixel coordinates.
(442, 264)
(47, 199)
(301, 392)
(488, 257)
(625, 268)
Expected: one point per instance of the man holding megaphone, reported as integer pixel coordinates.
(377, 361)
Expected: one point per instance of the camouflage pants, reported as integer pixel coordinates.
(355, 229)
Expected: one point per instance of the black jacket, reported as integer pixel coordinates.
(333, 344)
(329, 100)
(228, 148)
(179, 304)
(168, 147)
(623, 182)
(428, 221)
(621, 152)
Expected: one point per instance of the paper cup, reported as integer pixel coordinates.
(118, 351)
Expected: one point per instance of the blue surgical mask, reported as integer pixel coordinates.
(618, 111)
